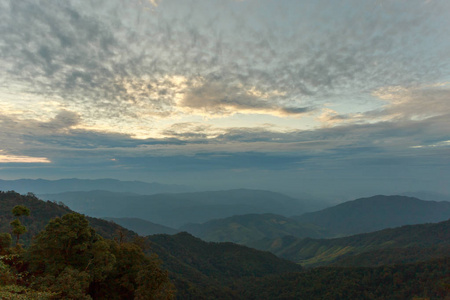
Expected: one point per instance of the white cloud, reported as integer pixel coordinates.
(8, 158)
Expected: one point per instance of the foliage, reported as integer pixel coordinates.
(202, 270)
(315, 252)
(68, 253)
(17, 228)
(6, 276)
(42, 213)
(70, 260)
(15, 292)
(5, 242)
(426, 279)
(20, 210)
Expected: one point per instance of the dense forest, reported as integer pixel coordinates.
(51, 252)
(69, 260)
(419, 241)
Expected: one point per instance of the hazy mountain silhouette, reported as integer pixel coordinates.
(375, 213)
(177, 209)
(42, 186)
(143, 227)
(427, 195)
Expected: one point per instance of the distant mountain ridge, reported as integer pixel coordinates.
(247, 229)
(427, 195)
(143, 227)
(353, 217)
(43, 186)
(177, 209)
(376, 213)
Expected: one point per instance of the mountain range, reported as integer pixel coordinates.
(143, 227)
(375, 213)
(177, 209)
(43, 186)
(247, 229)
(202, 270)
(434, 237)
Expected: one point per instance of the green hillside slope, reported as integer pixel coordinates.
(247, 229)
(313, 252)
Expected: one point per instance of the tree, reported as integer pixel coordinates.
(153, 283)
(19, 229)
(5, 242)
(69, 250)
(67, 241)
(20, 210)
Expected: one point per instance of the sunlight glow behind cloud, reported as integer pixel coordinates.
(6, 158)
(182, 84)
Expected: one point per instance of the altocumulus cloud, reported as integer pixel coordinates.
(114, 59)
(184, 83)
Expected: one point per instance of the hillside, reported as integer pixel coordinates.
(424, 280)
(142, 227)
(42, 212)
(375, 213)
(42, 186)
(211, 269)
(423, 238)
(175, 210)
(247, 229)
(200, 270)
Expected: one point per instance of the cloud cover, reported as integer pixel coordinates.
(165, 86)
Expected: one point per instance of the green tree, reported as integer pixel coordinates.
(69, 250)
(20, 210)
(5, 242)
(153, 283)
(129, 277)
(68, 241)
(17, 228)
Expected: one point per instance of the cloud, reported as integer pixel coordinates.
(115, 60)
(400, 103)
(21, 159)
(219, 98)
(416, 102)
(111, 86)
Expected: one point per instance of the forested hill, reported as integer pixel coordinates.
(202, 270)
(412, 242)
(42, 212)
(247, 229)
(428, 280)
(375, 213)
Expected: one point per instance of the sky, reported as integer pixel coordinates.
(321, 97)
